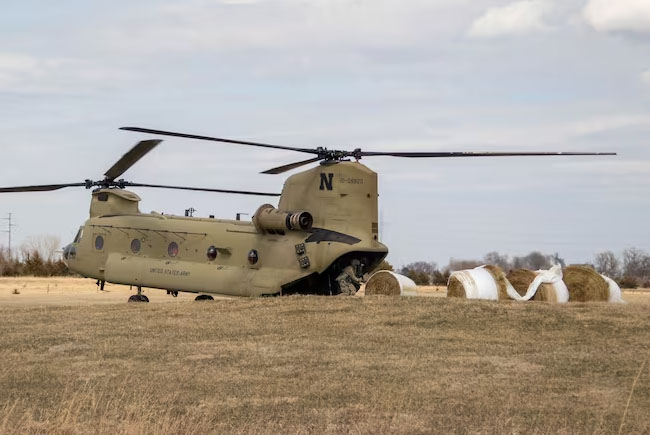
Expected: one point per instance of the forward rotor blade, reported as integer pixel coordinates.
(476, 154)
(218, 139)
(130, 158)
(201, 189)
(285, 168)
(39, 188)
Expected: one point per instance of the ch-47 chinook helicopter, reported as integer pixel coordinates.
(325, 221)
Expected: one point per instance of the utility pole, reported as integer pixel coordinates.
(8, 230)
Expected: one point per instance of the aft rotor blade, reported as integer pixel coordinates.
(39, 188)
(201, 189)
(218, 139)
(130, 158)
(285, 168)
(475, 154)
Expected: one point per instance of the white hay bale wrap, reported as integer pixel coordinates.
(552, 276)
(478, 284)
(614, 294)
(385, 282)
(561, 291)
(489, 283)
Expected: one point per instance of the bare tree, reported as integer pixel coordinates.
(498, 260)
(558, 260)
(455, 265)
(46, 246)
(534, 261)
(607, 264)
(421, 272)
(636, 263)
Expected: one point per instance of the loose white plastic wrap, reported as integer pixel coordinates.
(552, 276)
(478, 284)
(614, 291)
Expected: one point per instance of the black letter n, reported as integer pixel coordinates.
(326, 181)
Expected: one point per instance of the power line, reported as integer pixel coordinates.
(8, 230)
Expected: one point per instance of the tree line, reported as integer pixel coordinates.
(38, 256)
(630, 270)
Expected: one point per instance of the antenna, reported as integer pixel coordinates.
(8, 230)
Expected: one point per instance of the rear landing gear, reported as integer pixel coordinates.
(174, 293)
(139, 297)
(204, 298)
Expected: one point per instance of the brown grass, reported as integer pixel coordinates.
(324, 365)
(35, 291)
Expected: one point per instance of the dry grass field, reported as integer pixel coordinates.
(317, 364)
(34, 291)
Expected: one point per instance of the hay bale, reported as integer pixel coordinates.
(585, 284)
(521, 280)
(455, 288)
(478, 283)
(389, 283)
(500, 279)
(614, 291)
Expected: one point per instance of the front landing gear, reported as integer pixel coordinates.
(204, 298)
(139, 297)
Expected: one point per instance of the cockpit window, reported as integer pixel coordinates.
(79, 235)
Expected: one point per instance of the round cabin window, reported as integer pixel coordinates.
(135, 246)
(172, 249)
(212, 253)
(99, 243)
(253, 257)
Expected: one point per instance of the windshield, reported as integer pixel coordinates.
(79, 235)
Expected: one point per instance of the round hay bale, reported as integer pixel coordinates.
(614, 291)
(500, 279)
(389, 283)
(455, 288)
(478, 283)
(521, 280)
(585, 284)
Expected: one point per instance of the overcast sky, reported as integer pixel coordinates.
(440, 75)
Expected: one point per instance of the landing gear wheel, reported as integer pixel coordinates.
(204, 298)
(138, 298)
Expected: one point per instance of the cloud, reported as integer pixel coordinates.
(516, 18)
(645, 77)
(232, 26)
(618, 15)
(21, 72)
(613, 122)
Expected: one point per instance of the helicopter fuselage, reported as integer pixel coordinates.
(273, 254)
